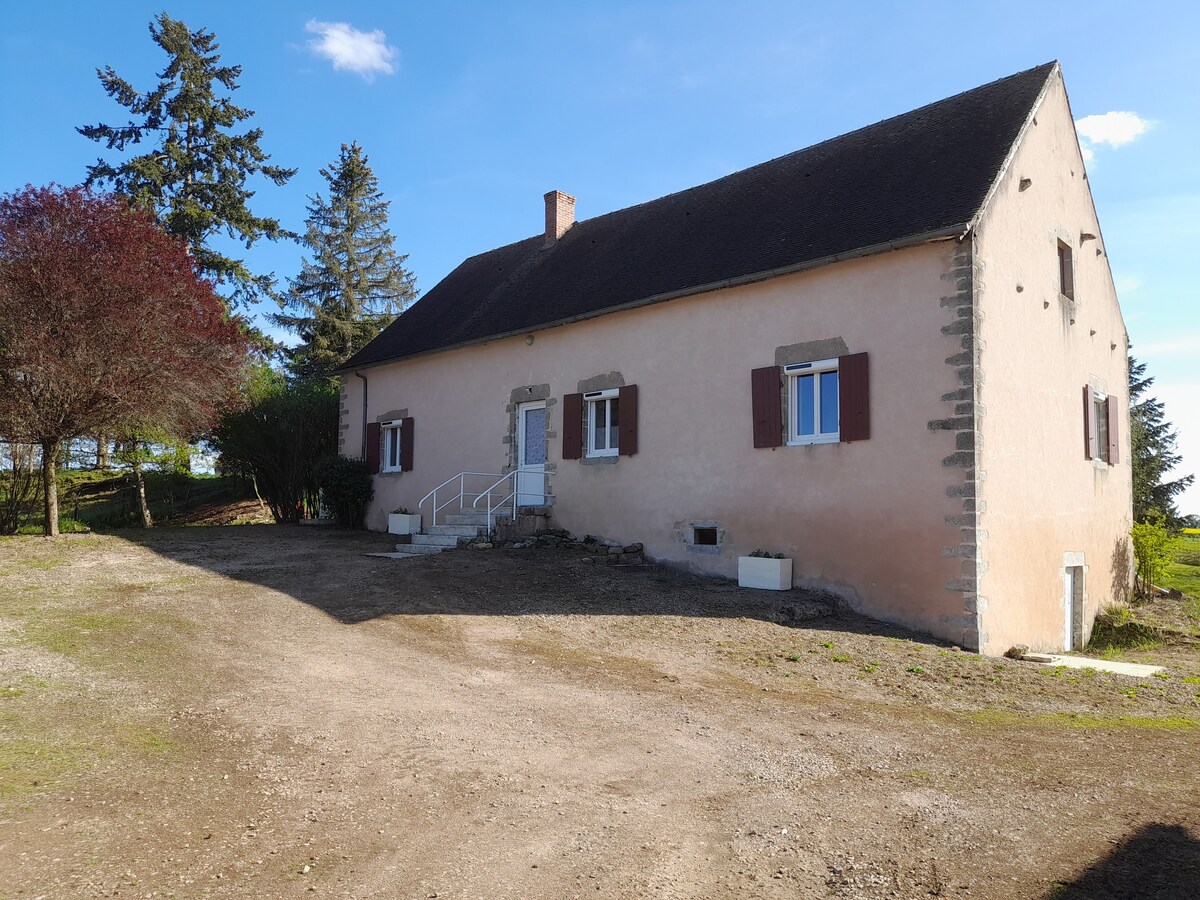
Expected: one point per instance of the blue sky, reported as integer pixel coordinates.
(469, 112)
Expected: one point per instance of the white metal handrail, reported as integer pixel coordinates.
(461, 478)
(512, 495)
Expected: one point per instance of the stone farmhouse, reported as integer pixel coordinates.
(896, 357)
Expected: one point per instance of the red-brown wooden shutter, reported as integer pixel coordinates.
(854, 398)
(1089, 427)
(1114, 445)
(1066, 268)
(627, 437)
(372, 459)
(572, 427)
(406, 444)
(765, 407)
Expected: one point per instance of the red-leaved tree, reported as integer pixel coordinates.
(105, 327)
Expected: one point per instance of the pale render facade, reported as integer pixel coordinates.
(970, 511)
(1044, 508)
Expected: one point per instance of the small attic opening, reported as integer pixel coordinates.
(704, 537)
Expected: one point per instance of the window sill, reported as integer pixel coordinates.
(390, 472)
(599, 460)
(823, 439)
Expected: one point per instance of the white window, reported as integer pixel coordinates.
(389, 438)
(813, 402)
(603, 421)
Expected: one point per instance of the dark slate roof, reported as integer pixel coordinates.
(926, 171)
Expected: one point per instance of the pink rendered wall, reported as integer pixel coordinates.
(868, 520)
(1040, 498)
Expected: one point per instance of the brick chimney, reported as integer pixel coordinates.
(560, 215)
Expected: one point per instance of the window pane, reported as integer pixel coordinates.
(806, 404)
(829, 402)
(600, 434)
(392, 443)
(614, 422)
(1100, 413)
(533, 446)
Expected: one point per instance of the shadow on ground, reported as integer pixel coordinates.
(1158, 861)
(328, 569)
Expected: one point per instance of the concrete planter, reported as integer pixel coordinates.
(764, 573)
(404, 523)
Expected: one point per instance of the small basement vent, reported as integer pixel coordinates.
(705, 537)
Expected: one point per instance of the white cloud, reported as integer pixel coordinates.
(1113, 128)
(1189, 344)
(365, 53)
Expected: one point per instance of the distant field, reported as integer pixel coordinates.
(1183, 573)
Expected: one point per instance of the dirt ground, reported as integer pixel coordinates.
(265, 712)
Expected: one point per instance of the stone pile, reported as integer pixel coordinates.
(601, 552)
(617, 555)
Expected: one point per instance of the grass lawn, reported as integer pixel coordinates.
(1183, 572)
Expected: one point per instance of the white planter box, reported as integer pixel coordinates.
(764, 573)
(404, 523)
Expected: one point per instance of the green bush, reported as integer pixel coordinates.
(277, 438)
(1151, 548)
(345, 488)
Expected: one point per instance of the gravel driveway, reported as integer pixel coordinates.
(265, 712)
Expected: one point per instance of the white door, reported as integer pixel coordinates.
(531, 454)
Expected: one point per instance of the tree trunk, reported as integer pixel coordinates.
(254, 481)
(50, 451)
(140, 484)
(102, 452)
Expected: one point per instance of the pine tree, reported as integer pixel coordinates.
(355, 284)
(1153, 441)
(195, 176)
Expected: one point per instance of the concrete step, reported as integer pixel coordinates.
(475, 518)
(435, 540)
(467, 531)
(403, 550)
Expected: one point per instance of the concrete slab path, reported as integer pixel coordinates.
(1134, 670)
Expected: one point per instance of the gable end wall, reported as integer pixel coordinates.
(1048, 506)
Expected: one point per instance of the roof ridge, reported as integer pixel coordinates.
(791, 153)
